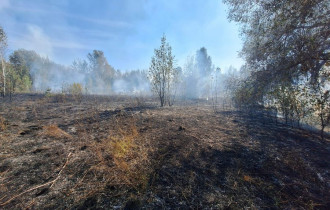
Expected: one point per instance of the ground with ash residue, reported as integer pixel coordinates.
(128, 153)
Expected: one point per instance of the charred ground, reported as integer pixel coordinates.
(128, 153)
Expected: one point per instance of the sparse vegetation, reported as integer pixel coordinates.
(121, 155)
(90, 136)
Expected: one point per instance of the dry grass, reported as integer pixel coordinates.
(119, 160)
(3, 124)
(123, 156)
(177, 158)
(138, 101)
(55, 131)
(56, 98)
(51, 183)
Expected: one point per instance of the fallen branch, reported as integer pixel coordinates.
(39, 186)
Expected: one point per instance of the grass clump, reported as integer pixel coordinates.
(123, 157)
(122, 145)
(3, 124)
(54, 131)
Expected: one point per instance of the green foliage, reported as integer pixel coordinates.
(3, 41)
(320, 99)
(283, 39)
(98, 73)
(48, 93)
(247, 92)
(76, 89)
(286, 38)
(284, 100)
(101, 73)
(286, 47)
(18, 80)
(162, 73)
(18, 73)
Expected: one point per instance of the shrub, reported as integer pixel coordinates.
(76, 90)
(48, 92)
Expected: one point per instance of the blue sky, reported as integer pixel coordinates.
(127, 31)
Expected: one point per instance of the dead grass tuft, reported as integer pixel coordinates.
(123, 144)
(120, 162)
(123, 157)
(138, 102)
(56, 98)
(3, 124)
(55, 131)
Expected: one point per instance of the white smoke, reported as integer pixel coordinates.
(36, 39)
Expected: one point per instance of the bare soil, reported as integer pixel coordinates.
(128, 153)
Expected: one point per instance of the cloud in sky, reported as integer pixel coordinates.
(127, 31)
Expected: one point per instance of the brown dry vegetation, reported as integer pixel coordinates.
(127, 153)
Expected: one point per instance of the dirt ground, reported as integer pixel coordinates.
(119, 152)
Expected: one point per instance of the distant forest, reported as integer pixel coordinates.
(28, 71)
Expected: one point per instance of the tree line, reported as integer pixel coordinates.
(27, 71)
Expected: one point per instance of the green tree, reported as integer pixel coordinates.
(35, 69)
(162, 73)
(286, 45)
(19, 73)
(285, 38)
(320, 99)
(101, 74)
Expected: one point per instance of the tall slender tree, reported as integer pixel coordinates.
(3, 48)
(162, 73)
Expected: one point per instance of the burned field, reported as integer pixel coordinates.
(128, 153)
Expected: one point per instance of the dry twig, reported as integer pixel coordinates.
(39, 186)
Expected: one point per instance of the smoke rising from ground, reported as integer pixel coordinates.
(197, 74)
(94, 74)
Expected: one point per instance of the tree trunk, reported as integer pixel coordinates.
(286, 118)
(10, 93)
(322, 126)
(162, 101)
(322, 132)
(275, 116)
(161, 98)
(4, 76)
